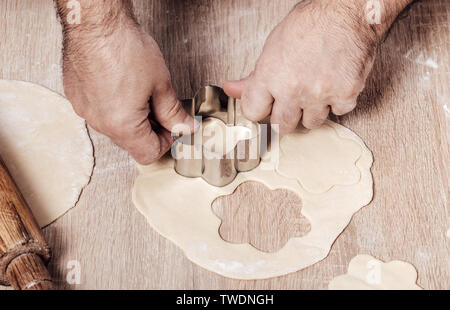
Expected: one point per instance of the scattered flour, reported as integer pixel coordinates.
(236, 266)
(447, 110)
(421, 59)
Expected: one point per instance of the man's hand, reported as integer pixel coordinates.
(111, 71)
(317, 58)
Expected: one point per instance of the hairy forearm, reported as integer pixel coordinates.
(90, 20)
(88, 23)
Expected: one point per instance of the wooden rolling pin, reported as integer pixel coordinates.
(23, 250)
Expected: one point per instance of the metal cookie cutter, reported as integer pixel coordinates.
(216, 169)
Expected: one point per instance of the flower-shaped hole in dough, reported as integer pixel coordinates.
(263, 218)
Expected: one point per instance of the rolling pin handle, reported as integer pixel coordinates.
(28, 272)
(23, 250)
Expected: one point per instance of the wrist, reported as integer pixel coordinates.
(379, 15)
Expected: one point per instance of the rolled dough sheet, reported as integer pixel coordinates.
(368, 273)
(179, 208)
(45, 146)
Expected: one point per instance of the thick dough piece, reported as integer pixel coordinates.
(180, 209)
(45, 146)
(368, 273)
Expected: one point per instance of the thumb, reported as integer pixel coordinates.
(169, 113)
(234, 88)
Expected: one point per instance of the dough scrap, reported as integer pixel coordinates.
(45, 146)
(180, 209)
(368, 273)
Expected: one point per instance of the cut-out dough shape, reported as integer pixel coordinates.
(307, 158)
(368, 273)
(45, 146)
(179, 209)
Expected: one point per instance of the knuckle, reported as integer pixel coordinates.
(343, 107)
(313, 122)
(337, 110)
(174, 108)
(351, 91)
(349, 94)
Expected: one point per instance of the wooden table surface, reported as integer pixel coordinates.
(403, 116)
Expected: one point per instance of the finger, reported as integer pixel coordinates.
(287, 115)
(341, 107)
(234, 88)
(314, 117)
(165, 137)
(168, 111)
(256, 100)
(145, 144)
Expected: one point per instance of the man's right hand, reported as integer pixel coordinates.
(111, 73)
(318, 58)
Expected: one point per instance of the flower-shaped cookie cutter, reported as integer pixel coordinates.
(194, 159)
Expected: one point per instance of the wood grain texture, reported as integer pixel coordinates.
(402, 115)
